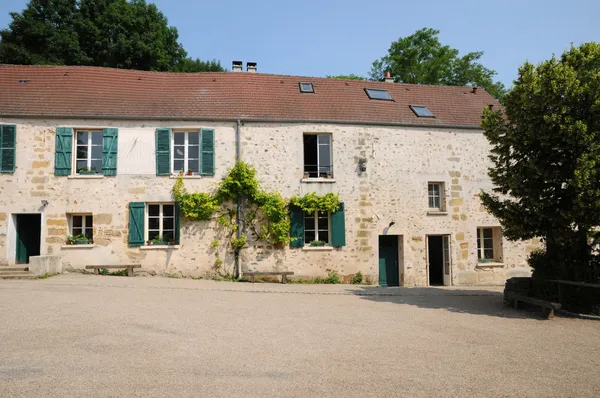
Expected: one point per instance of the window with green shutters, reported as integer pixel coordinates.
(96, 151)
(149, 221)
(317, 228)
(187, 152)
(8, 148)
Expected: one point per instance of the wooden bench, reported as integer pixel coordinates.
(284, 275)
(548, 307)
(129, 268)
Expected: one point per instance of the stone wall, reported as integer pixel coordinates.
(400, 162)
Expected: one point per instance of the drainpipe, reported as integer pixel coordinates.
(237, 268)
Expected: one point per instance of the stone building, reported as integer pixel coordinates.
(95, 152)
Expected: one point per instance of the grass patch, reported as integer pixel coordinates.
(46, 276)
(332, 278)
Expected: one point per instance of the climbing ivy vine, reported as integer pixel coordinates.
(311, 202)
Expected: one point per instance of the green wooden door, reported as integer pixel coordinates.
(28, 237)
(21, 257)
(388, 261)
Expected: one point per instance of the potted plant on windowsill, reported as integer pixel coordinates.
(171, 243)
(80, 240)
(306, 175)
(317, 243)
(486, 260)
(158, 241)
(69, 240)
(190, 173)
(329, 175)
(85, 171)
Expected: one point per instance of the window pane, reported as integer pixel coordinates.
(88, 222)
(153, 223)
(82, 152)
(96, 152)
(194, 165)
(193, 138)
(488, 253)
(310, 155)
(487, 233)
(168, 210)
(193, 152)
(323, 224)
(178, 165)
(488, 243)
(324, 236)
(89, 233)
(77, 231)
(309, 222)
(81, 164)
(154, 210)
(309, 236)
(379, 94)
(97, 138)
(97, 165)
(168, 236)
(168, 223)
(179, 138)
(324, 139)
(82, 137)
(431, 203)
(77, 221)
(325, 157)
(179, 152)
(422, 111)
(152, 234)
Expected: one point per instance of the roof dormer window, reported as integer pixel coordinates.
(421, 111)
(306, 87)
(378, 94)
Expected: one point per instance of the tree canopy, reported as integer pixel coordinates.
(351, 76)
(546, 162)
(421, 59)
(110, 33)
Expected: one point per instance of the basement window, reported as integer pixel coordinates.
(421, 111)
(378, 94)
(306, 87)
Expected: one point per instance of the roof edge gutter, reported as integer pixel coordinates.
(244, 120)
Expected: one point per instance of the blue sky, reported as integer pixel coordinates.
(317, 38)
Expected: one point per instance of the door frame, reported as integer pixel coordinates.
(446, 277)
(11, 246)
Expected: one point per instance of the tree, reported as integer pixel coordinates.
(110, 33)
(190, 65)
(351, 76)
(546, 161)
(421, 59)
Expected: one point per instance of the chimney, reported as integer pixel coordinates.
(251, 67)
(236, 66)
(474, 90)
(388, 78)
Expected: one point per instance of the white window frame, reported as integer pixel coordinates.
(319, 152)
(89, 149)
(317, 230)
(440, 197)
(186, 146)
(161, 218)
(83, 216)
(496, 244)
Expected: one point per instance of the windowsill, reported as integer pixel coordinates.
(89, 246)
(319, 180)
(437, 213)
(489, 265)
(160, 247)
(85, 177)
(317, 248)
(192, 177)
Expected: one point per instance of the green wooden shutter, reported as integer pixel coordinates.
(136, 223)
(338, 227)
(177, 222)
(163, 152)
(63, 152)
(8, 148)
(207, 156)
(296, 227)
(110, 146)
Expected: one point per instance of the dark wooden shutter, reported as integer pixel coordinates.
(136, 223)
(8, 148)
(63, 151)
(177, 222)
(110, 146)
(207, 156)
(338, 227)
(163, 152)
(296, 227)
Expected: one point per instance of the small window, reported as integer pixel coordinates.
(88, 158)
(306, 88)
(489, 244)
(436, 195)
(186, 152)
(161, 222)
(82, 224)
(316, 229)
(378, 94)
(421, 111)
(317, 156)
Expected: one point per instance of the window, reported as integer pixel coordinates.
(81, 224)
(378, 94)
(89, 152)
(421, 111)
(186, 152)
(317, 156)
(316, 228)
(161, 221)
(489, 244)
(436, 195)
(306, 88)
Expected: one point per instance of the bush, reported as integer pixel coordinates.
(332, 278)
(357, 278)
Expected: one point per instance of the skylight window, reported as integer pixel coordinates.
(306, 88)
(378, 94)
(421, 111)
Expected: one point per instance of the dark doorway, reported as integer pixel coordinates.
(29, 228)
(435, 256)
(388, 261)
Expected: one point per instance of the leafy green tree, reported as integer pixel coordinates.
(421, 59)
(546, 161)
(110, 33)
(351, 76)
(190, 65)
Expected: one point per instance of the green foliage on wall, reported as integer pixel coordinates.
(311, 202)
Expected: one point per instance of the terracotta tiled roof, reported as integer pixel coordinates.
(92, 91)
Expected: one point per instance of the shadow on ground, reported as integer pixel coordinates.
(476, 302)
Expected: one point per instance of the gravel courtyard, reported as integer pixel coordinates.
(84, 335)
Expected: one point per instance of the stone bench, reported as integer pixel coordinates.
(129, 268)
(284, 275)
(548, 307)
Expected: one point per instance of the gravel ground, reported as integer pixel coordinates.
(83, 335)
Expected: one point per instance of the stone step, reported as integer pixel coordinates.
(11, 269)
(14, 275)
